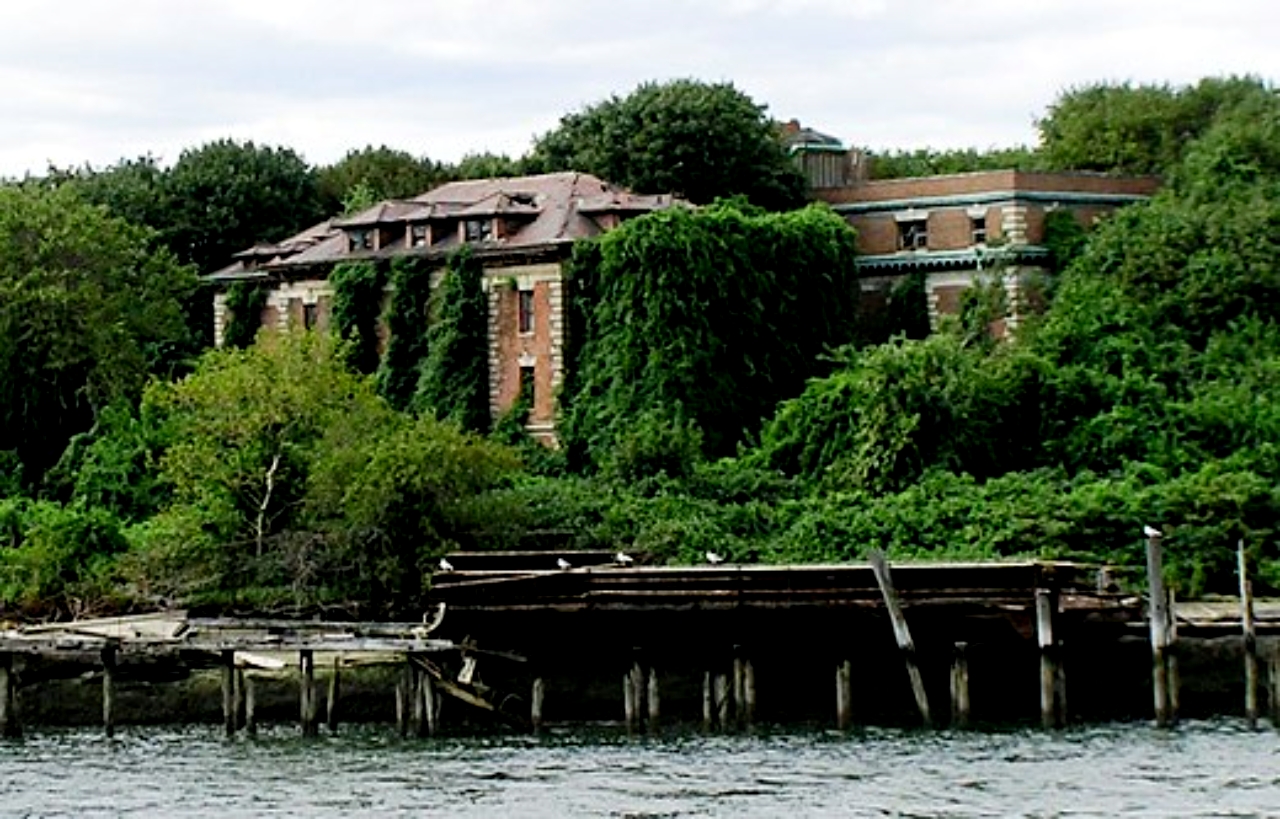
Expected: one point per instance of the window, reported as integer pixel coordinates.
(310, 314)
(978, 229)
(360, 240)
(525, 394)
(477, 230)
(417, 235)
(913, 234)
(524, 312)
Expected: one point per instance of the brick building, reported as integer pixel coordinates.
(522, 229)
(958, 229)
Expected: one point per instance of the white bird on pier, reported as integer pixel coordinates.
(563, 564)
(623, 559)
(714, 558)
(445, 565)
(1151, 531)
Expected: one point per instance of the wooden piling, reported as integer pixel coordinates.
(1250, 638)
(1046, 609)
(960, 708)
(227, 668)
(1171, 658)
(10, 726)
(250, 705)
(880, 566)
(331, 702)
(307, 693)
(653, 707)
(430, 704)
(402, 701)
(844, 694)
(1159, 623)
(536, 698)
(630, 707)
(722, 697)
(238, 705)
(739, 689)
(109, 688)
(639, 693)
(1274, 688)
(708, 702)
(749, 692)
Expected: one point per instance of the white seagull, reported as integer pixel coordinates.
(445, 565)
(623, 559)
(714, 558)
(563, 564)
(1151, 531)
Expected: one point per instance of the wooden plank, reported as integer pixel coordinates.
(1159, 624)
(901, 633)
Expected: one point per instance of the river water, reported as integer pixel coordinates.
(1215, 769)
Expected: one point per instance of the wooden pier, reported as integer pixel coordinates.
(724, 646)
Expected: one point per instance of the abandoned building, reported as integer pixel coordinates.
(522, 229)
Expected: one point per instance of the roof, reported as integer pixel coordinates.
(541, 212)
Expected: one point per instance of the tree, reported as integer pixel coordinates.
(225, 196)
(700, 141)
(89, 309)
(387, 173)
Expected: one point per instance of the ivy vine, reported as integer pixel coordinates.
(408, 319)
(244, 304)
(454, 380)
(358, 289)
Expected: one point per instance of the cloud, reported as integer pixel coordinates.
(100, 81)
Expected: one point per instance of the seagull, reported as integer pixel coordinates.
(563, 564)
(1151, 531)
(445, 565)
(714, 558)
(623, 559)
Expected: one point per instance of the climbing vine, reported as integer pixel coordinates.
(709, 317)
(454, 380)
(358, 289)
(408, 318)
(245, 301)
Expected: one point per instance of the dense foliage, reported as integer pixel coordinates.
(358, 295)
(700, 141)
(454, 381)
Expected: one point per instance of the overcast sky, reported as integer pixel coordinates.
(97, 80)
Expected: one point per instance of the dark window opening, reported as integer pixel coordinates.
(417, 235)
(524, 397)
(310, 315)
(477, 230)
(360, 240)
(525, 311)
(913, 234)
(978, 229)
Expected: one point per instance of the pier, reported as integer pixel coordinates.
(524, 639)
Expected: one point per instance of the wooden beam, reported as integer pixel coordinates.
(1250, 638)
(960, 706)
(1046, 610)
(10, 726)
(901, 633)
(227, 672)
(1158, 607)
(109, 688)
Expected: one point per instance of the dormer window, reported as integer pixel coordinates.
(418, 236)
(913, 234)
(477, 230)
(360, 240)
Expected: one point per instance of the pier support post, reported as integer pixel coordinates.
(430, 705)
(536, 698)
(960, 708)
(331, 702)
(250, 705)
(630, 707)
(1273, 675)
(227, 670)
(1051, 715)
(10, 726)
(722, 703)
(880, 566)
(109, 688)
(739, 688)
(402, 689)
(307, 692)
(1250, 639)
(748, 693)
(844, 694)
(238, 706)
(653, 705)
(1159, 622)
(708, 702)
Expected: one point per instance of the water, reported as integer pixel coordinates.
(1205, 769)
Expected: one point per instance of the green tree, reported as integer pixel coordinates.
(387, 173)
(224, 196)
(486, 166)
(89, 309)
(701, 141)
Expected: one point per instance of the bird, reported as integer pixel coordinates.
(1151, 531)
(445, 565)
(563, 564)
(623, 559)
(714, 558)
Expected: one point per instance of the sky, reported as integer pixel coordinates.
(94, 81)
